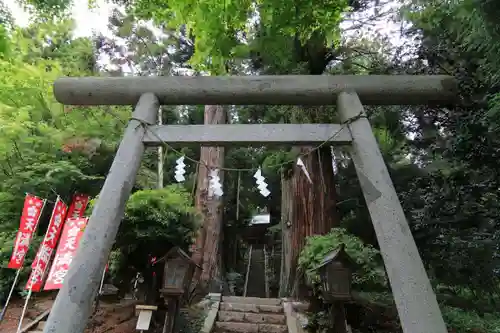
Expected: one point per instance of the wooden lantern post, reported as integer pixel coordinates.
(177, 275)
(335, 272)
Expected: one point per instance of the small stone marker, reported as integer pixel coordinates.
(145, 314)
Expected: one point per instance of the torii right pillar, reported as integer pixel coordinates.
(415, 300)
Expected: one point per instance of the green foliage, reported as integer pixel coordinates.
(369, 271)
(221, 28)
(4, 41)
(7, 275)
(457, 320)
(449, 198)
(190, 320)
(468, 321)
(277, 162)
(154, 222)
(319, 321)
(36, 129)
(47, 8)
(165, 216)
(38, 153)
(468, 29)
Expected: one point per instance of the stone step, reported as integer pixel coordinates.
(253, 308)
(255, 318)
(231, 327)
(252, 300)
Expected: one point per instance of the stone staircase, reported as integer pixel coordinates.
(256, 276)
(250, 315)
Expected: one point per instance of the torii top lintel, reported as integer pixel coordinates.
(253, 90)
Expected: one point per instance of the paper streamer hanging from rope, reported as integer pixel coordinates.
(334, 163)
(261, 183)
(214, 183)
(215, 186)
(303, 167)
(179, 169)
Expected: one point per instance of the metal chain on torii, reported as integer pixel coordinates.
(414, 298)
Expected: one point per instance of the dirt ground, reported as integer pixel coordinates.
(115, 317)
(37, 305)
(118, 317)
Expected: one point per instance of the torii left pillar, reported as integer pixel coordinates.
(82, 281)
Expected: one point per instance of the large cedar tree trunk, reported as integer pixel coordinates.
(312, 210)
(206, 248)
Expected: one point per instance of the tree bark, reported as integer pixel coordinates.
(313, 205)
(206, 248)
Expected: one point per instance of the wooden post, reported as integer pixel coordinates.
(73, 304)
(415, 300)
(160, 153)
(247, 273)
(172, 308)
(337, 313)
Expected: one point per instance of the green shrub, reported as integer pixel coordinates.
(462, 321)
(370, 271)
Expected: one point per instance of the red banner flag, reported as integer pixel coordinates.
(70, 238)
(78, 206)
(32, 210)
(42, 259)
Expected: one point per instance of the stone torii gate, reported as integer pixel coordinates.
(415, 300)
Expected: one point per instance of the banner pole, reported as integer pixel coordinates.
(102, 281)
(24, 310)
(97, 297)
(39, 217)
(10, 294)
(30, 291)
(18, 273)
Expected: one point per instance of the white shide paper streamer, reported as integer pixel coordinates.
(179, 170)
(214, 183)
(303, 167)
(261, 183)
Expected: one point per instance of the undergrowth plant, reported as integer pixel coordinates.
(369, 271)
